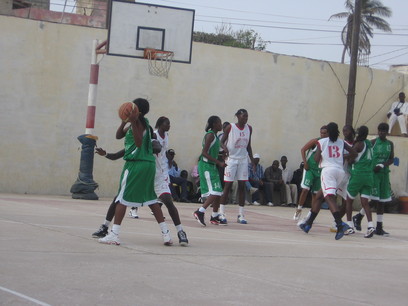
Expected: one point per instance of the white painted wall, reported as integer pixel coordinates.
(45, 87)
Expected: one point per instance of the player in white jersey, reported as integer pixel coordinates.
(162, 180)
(237, 142)
(330, 155)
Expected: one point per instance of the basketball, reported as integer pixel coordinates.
(126, 109)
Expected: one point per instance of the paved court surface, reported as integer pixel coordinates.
(48, 257)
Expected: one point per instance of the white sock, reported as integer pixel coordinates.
(362, 211)
(116, 229)
(214, 214)
(179, 228)
(350, 223)
(163, 227)
(241, 210)
(370, 224)
(300, 207)
(107, 223)
(222, 209)
(201, 209)
(379, 218)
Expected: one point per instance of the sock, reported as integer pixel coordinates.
(179, 228)
(107, 223)
(222, 209)
(370, 224)
(201, 209)
(337, 218)
(163, 227)
(241, 210)
(313, 216)
(379, 218)
(300, 207)
(116, 229)
(214, 214)
(362, 212)
(350, 223)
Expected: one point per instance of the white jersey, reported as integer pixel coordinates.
(238, 140)
(161, 159)
(332, 153)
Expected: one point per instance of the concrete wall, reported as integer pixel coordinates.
(45, 88)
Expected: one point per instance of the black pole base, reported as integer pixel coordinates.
(84, 186)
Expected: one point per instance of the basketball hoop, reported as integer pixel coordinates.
(159, 61)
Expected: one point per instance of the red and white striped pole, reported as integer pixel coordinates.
(93, 85)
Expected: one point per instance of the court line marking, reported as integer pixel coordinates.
(24, 296)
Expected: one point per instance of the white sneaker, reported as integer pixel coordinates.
(247, 202)
(133, 213)
(112, 238)
(253, 190)
(241, 219)
(167, 238)
(297, 214)
(270, 204)
(333, 228)
(256, 203)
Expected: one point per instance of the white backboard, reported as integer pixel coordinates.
(134, 26)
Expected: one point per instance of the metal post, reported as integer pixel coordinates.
(84, 187)
(353, 62)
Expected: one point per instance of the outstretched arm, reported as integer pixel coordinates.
(310, 144)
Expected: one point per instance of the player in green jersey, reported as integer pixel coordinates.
(383, 157)
(210, 183)
(311, 173)
(361, 180)
(136, 186)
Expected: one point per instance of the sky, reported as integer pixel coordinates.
(300, 27)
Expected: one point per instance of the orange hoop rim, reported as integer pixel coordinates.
(150, 53)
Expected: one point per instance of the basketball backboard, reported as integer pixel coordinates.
(134, 26)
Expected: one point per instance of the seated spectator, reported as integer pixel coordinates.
(254, 185)
(190, 185)
(297, 177)
(196, 180)
(273, 181)
(398, 112)
(291, 189)
(176, 179)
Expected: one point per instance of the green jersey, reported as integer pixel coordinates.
(364, 161)
(214, 148)
(313, 165)
(381, 153)
(144, 152)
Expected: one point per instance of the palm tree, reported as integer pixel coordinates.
(371, 13)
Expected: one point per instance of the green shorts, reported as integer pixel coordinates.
(210, 183)
(311, 180)
(360, 184)
(137, 184)
(381, 187)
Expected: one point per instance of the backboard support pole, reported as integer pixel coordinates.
(84, 186)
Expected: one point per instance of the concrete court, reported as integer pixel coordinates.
(48, 257)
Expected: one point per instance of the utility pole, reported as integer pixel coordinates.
(353, 62)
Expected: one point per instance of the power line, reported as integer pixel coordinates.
(390, 58)
(296, 29)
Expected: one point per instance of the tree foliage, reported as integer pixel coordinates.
(371, 13)
(226, 36)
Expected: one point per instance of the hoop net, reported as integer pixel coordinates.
(159, 61)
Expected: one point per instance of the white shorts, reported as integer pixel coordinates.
(236, 170)
(331, 179)
(342, 188)
(161, 183)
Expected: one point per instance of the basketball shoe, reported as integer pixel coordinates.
(101, 232)
(112, 238)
